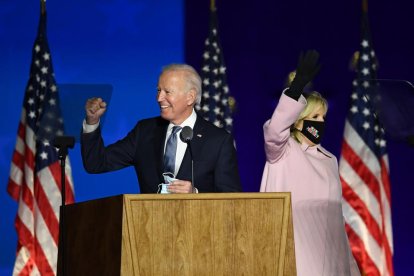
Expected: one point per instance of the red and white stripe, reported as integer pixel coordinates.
(39, 199)
(366, 204)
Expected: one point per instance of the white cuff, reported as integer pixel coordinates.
(89, 128)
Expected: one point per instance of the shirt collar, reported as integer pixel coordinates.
(190, 122)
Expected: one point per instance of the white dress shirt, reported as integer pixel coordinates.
(181, 146)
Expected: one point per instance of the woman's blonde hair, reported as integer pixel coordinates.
(314, 101)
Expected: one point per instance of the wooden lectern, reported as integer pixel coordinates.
(188, 234)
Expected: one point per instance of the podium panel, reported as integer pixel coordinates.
(188, 234)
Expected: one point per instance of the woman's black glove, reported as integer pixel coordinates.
(308, 67)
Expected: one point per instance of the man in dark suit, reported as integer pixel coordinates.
(153, 146)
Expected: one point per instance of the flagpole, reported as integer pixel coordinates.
(355, 57)
(42, 6)
(213, 5)
(365, 5)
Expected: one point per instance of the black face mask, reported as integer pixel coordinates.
(313, 130)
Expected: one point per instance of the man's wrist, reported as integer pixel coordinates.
(88, 128)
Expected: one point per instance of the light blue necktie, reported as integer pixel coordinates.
(170, 151)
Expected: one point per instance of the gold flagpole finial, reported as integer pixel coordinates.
(365, 5)
(43, 6)
(213, 5)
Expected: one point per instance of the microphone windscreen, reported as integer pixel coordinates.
(186, 134)
(64, 141)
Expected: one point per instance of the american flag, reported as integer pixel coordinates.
(35, 179)
(215, 100)
(364, 171)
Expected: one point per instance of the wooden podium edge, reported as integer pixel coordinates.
(126, 269)
(201, 196)
(287, 227)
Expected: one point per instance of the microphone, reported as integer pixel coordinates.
(64, 141)
(186, 136)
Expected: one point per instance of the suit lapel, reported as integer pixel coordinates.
(198, 136)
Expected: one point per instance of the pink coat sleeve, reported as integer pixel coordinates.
(277, 129)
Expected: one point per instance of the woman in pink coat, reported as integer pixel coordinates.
(297, 163)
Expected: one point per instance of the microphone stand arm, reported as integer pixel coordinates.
(63, 143)
(192, 166)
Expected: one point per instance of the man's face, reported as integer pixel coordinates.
(174, 97)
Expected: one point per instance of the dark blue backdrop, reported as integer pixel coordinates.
(125, 43)
(119, 42)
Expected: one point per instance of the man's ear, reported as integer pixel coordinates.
(191, 97)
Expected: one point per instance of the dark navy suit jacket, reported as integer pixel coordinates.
(215, 161)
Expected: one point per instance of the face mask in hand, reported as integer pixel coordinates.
(313, 130)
